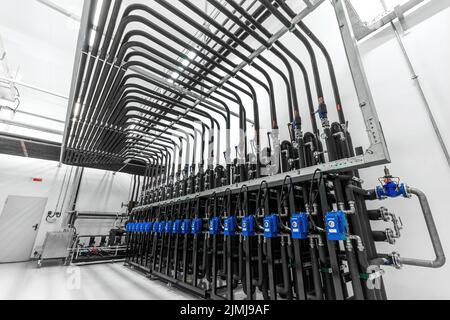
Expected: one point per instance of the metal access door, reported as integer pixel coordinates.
(19, 225)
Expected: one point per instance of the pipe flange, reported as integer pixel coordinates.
(396, 260)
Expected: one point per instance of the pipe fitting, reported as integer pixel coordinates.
(317, 237)
(360, 244)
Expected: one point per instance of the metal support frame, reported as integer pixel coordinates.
(416, 79)
(363, 29)
(376, 154)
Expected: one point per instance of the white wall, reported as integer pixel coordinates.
(104, 192)
(40, 45)
(415, 152)
(416, 155)
(100, 191)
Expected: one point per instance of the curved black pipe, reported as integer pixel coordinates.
(125, 109)
(326, 55)
(139, 18)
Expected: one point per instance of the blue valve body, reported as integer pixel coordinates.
(214, 226)
(271, 226)
(230, 226)
(391, 190)
(300, 226)
(248, 226)
(186, 226)
(336, 226)
(129, 226)
(155, 227)
(148, 227)
(162, 227)
(197, 225)
(177, 227)
(169, 227)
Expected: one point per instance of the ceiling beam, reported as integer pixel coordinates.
(58, 8)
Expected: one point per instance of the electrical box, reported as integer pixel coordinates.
(248, 226)
(271, 227)
(300, 226)
(230, 226)
(197, 225)
(56, 245)
(186, 226)
(177, 227)
(214, 226)
(337, 226)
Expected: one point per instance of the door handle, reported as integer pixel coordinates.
(35, 227)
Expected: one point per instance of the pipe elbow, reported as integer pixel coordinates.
(439, 262)
(419, 193)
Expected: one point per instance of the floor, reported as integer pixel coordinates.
(24, 281)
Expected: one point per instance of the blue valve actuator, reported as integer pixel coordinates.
(391, 190)
(169, 227)
(271, 226)
(214, 226)
(248, 226)
(197, 225)
(186, 226)
(230, 226)
(129, 226)
(177, 227)
(336, 226)
(155, 227)
(300, 226)
(162, 227)
(148, 227)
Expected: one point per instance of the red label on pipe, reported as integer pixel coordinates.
(38, 179)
